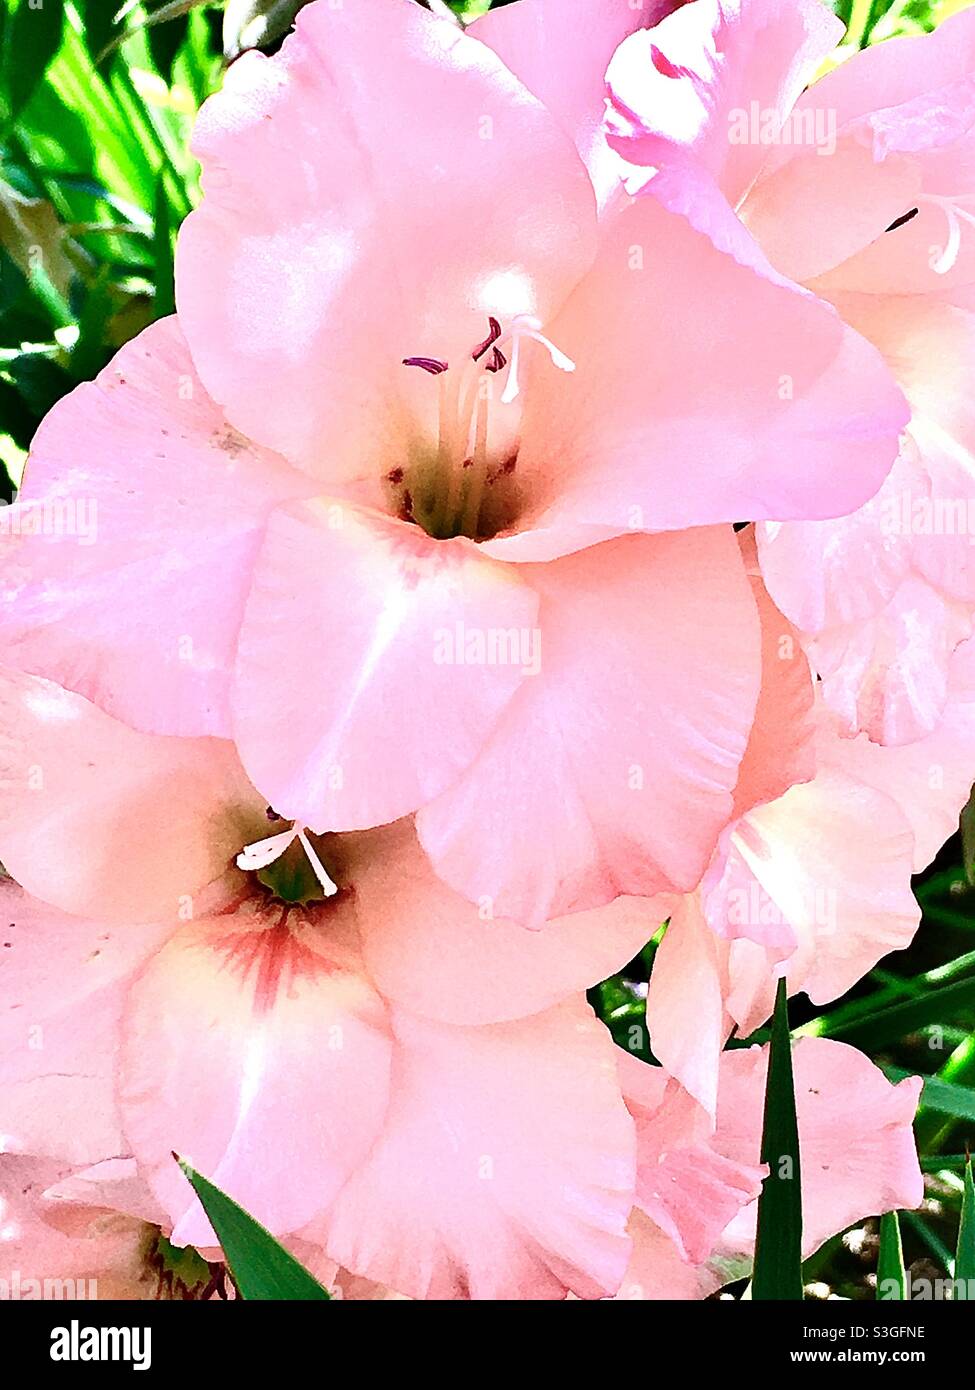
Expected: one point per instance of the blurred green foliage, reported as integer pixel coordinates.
(95, 178)
(96, 110)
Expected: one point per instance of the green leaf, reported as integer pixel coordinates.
(967, 827)
(891, 1274)
(165, 302)
(31, 39)
(941, 1163)
(261, 1267)
(965, 1253)
(948, 1099)
(778, 1243)
(940, 1005)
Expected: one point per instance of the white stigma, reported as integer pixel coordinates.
(264, 852)
(527, 326)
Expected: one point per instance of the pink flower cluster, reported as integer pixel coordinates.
(524, 534)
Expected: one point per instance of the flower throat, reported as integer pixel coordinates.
(462, 488)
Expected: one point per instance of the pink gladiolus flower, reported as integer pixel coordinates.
(374, 518)
(413, 614)
(859, 189)
(339, 1038)
(814, 885)
(294, 1112)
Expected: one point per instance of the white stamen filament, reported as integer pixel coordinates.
(479, 466)
(462, 438)
(264, 852)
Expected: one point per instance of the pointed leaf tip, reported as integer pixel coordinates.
(262, 1268)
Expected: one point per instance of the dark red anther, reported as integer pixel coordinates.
(433, 365)
(899, 221)
(489, 341)
(498, 360)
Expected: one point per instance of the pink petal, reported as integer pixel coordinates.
(752, 979)
(889, 675)
(731, 377)
(101, 821)
(656, 1270)
(687, 981)
(932, 252)
(63, 983)
(114, 1184)
(126, 571)
(560, 50)
(647, 688)
(828, 190)
(930, 345)
(911, 95)
(821, 877)
(687, 1188)
(297, 1055)
(780, 745)
(47, 1252)
(856, 1146)
(825, 574)
(944, 540)
(432, 951)
(365, 645)
(404, 223)
(676, 90)
(505, 1169)
(930, 779)
(887, 74)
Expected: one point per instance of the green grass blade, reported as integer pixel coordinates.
(778, 1243)
(76, 95)
(891, 1274)
(921, 1227)
(31, 39)
(939, 1096)
(934, 1134)
(965, 1253)
(940, 1163)
(261, 1267)
(939, 1005)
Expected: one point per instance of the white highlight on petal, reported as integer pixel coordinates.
(505, 294)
